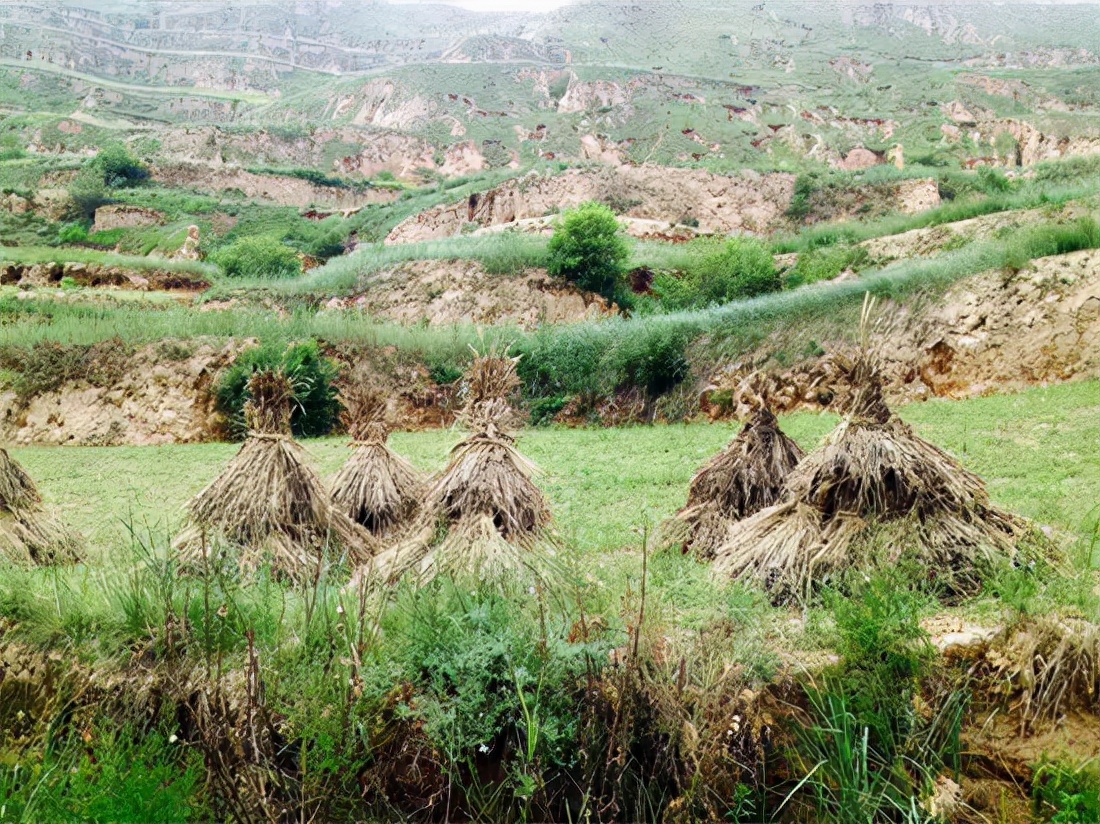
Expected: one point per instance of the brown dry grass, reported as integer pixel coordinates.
(29, 534)
(268, 504)
(739, 481)
(376, 487)
(1049, 666)
(485, 515)
(873, 471)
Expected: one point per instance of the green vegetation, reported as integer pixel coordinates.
(315, 409)
(740, 268)
(588, 249)
(258, 257)
(1067, 795)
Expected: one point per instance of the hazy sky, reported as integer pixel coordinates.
(500, 5)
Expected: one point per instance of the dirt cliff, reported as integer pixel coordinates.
(996, 332)
(162, 396)
(749, 202)
(450, 292)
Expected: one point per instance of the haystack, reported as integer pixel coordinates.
(29, 534)
(739, 481)
(484, 516)
(376, 488)
(268, 504)
(874, 488)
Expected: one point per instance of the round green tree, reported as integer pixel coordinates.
(588, 249)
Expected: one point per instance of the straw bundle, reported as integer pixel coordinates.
(268, 504)
(29, 535)
(375, 488)
(739, 481)
(484, 516)
(873, 473)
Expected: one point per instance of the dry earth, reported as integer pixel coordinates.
(749, 202)
(995, 332)
(444, 292)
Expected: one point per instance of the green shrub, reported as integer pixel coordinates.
(118, 168)
(588, 249)
(258, 257)
(993, 181)
(313, 376)
(108, 237)
(824, 264)
(740, 268)
(72, 233)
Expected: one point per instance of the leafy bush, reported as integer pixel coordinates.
(311, 373)
(588, 249)
(72, 233)
(118, 168)
(258, 257)
(824, 264)
(993, 181)
(741, 268)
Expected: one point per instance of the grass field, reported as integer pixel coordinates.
(498, 672)
(1038, 451)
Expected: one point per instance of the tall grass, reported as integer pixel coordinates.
(48, 254)
(1029, 197)
(593, 357)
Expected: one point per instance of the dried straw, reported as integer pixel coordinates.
(1050, 666)
(30, 535)
(376, 487)
(873, 471)
(739, 481)
(484, 516)
(268, 504)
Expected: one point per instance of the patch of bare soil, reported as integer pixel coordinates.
(749, 202)
(444, 292)
(162, 396)
(280, 190)
(995, 332)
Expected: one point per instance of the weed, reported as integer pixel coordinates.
(1066, 794)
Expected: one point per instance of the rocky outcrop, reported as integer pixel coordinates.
(282, 190)
(125, 216)
(748, 202)
(164, 395)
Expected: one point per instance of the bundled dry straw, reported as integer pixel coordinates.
(1050, 667)
(484, 516)
(376, 488)
(29, 534)
(739, 481)
(268, 504)
(872, 479)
